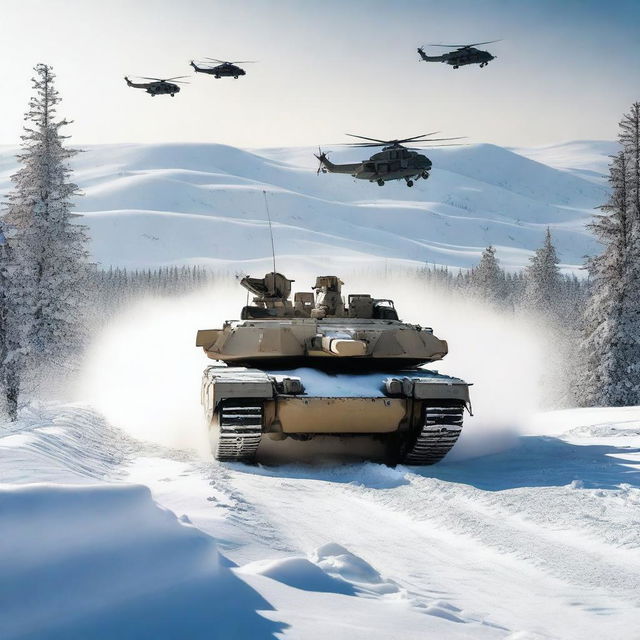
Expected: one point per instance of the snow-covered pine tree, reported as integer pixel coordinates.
(543, 279)
(8, 344)
(630, 140)
(611, 344)
(487, 279)
(48, 264)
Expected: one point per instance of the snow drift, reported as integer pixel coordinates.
(107, 562)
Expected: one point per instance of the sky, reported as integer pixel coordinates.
(565, 69)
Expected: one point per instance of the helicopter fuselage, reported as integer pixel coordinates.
(460, 57)
(156, 88)
(163, 88)
(463, 57)
(392, 163)
(222, 70)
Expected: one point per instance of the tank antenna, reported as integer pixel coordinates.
(273, 249)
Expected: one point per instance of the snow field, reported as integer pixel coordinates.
(152, 205)
(538, 541)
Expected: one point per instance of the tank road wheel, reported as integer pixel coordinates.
(441, 424)
(236, 430)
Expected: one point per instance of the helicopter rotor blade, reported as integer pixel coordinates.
(161, 79)
(353, 135)
(453, 144)
(373, 142)
(473, 44)
(414, 140)
(362, 144)
(423, 135)
(231, 61)
(477, 44)
(440, 139)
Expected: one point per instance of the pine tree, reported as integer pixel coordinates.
(611, 346)
(543, 278)
(8, 346)
(48, 255)
(630, 140)
(487, 278)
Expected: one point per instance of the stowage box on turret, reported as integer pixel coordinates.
(316, 366)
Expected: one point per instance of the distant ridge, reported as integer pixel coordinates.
(157, 204)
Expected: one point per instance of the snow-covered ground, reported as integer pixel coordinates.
(150, 205)
(114, 523)
(529, 529)
(133, 540)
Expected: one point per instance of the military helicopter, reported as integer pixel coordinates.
(394, 162)
(224, 68)
(158, 86)
(464, 54)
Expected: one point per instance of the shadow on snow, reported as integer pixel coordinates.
(534, 461)
(542, 461)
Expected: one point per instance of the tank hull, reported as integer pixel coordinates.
(417, 413)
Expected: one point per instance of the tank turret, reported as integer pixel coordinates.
(318, 365)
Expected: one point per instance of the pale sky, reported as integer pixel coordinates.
(565, 70)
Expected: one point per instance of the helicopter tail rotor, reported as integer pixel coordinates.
(322, 158)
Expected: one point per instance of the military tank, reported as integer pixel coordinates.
(315, 366)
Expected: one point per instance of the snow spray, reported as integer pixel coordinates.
(143, 371)
(501, 354)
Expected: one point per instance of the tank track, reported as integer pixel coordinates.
(441, 426)
(239, 430)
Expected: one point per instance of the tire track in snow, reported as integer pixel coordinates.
(535, 526)
(440, 539)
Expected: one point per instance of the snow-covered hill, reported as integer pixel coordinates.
(149, 205)
(588, 159)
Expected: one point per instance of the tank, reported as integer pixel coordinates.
(320, 366)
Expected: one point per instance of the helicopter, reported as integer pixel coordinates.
(158, 86)
(224, 68)
(394, 162)
(464, 54)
